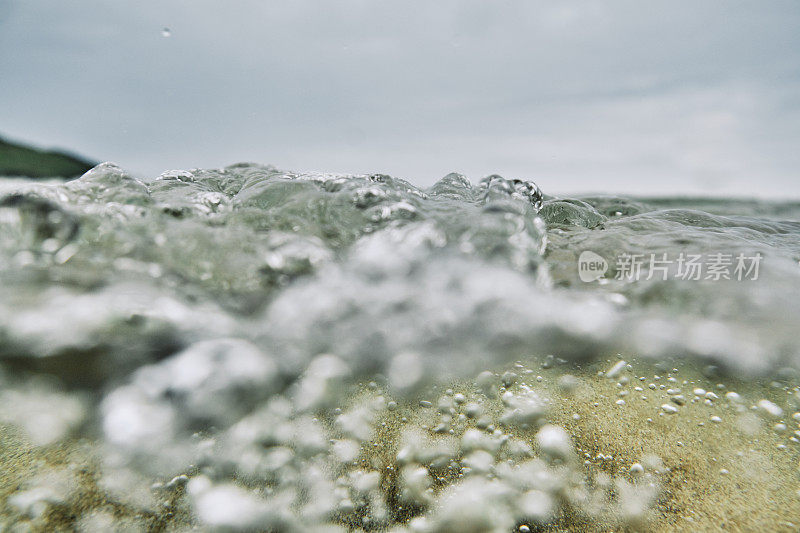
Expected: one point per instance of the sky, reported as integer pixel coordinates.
(649, 98)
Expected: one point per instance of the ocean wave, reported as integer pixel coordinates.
(187, 317)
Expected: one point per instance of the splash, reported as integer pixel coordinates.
(287, 351)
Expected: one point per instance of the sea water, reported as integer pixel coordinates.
(255, 349)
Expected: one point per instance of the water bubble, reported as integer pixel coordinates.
(733, 397)
(473, 410)
(678, 399)
(616, 370)
(554, 441)
(406, 371)
(568, 383)
(537, 506)
(770, 408)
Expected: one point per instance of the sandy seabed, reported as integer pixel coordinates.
(650, 448)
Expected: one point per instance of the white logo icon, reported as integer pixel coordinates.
(591, 266)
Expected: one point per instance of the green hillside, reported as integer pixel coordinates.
(20, 160)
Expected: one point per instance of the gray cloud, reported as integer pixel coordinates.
(627, 96)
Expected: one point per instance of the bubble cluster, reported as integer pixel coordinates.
(250, 348)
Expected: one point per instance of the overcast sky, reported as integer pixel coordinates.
(626, 96)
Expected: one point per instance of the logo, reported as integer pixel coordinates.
(591, 266)
(716, 266)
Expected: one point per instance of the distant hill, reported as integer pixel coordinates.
(20, 160)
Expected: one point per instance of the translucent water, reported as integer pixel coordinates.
(274, 349)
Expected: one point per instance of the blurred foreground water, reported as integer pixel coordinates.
(255, 349)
